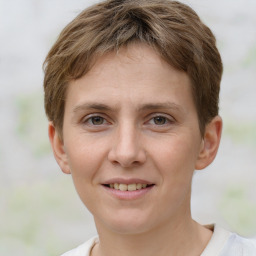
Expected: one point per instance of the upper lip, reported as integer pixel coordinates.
(127, 181)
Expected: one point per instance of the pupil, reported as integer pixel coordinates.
(159, 120)
(97, 120)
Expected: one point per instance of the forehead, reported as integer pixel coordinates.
(141, 56)
(134, 74)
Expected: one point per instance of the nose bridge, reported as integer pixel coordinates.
(126, 143)
(126, 147)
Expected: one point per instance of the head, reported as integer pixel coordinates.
(131, 92)
(171, 28)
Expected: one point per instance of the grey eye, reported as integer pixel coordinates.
(97, 120)
(159, 120)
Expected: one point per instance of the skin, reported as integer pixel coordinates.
(132, 116)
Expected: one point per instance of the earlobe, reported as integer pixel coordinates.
(210, 143)
(58, 148)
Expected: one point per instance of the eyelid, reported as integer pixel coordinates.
(167, 116)
(89, 116)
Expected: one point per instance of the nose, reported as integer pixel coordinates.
(126, 149)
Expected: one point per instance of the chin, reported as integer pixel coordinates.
(128, 223)
(130, 228)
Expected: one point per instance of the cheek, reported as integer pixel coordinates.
(176, 159)
(85, 157)
(85, 161)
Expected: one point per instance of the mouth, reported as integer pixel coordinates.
(128, 187)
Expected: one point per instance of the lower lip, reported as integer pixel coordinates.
(128, 195)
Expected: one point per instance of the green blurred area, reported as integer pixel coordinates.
(34, 217)
(41, 213)
(32, 124)
(241, 133)
(250, 58)
(239, 209)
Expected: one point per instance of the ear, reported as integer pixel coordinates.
(210, 143)
(58, 148)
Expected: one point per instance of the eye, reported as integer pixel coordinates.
(160, 120)
(96, 120)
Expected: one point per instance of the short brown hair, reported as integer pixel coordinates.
(171, 28)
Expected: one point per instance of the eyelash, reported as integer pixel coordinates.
(89, 120)
(167, 120)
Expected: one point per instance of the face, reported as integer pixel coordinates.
(131, 141)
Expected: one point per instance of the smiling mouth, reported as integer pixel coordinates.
(128, 187)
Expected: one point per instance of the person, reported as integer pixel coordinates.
(131, 94)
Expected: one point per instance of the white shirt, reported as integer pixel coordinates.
(222, 243)
(225, 243)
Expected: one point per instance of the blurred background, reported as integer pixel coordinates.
(40, 213)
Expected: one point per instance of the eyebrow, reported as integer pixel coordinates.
(142, 107)
(96, 106)
(159, 106)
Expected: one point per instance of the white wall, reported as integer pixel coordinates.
(40, 211)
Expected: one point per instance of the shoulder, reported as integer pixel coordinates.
(240, 246)
(225, 243)
(84, 249)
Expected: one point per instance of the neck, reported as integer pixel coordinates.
(184, 238)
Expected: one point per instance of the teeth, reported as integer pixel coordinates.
(123, 187)
(128, 187)
(139, 186)
(132, 187)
